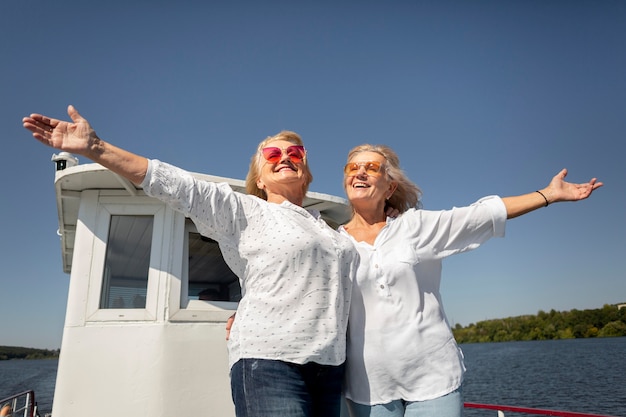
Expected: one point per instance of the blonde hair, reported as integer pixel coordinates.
(407, 194)
(257, 160)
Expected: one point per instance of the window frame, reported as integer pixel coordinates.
(124, 206)
(194, 310)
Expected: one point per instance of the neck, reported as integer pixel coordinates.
(365, 226)
(364, 219)
(368, 214)
(293, 197)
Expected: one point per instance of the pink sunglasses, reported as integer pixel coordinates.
(274, 154)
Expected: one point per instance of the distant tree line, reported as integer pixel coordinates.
(608, 321)
(13, 352)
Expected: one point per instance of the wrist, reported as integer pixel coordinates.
(543, 194)
(95, 148)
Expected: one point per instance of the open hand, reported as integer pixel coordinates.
(77, 137)
(560, 190)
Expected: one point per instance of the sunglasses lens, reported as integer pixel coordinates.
(372, 167)
(351, 169)
(272, 154)
(295, 153)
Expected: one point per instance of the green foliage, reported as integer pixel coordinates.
(13, 352)
(608, 321)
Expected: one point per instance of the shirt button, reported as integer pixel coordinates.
(382, 287)
(376, 266)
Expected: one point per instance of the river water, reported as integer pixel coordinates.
(582, 375)
(38, 375)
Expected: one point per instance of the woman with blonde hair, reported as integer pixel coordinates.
(402, 359)
(295, 271)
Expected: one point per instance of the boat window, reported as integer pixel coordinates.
(210, 278)
(127, 262)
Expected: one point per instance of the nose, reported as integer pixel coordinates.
(362, 170)
(284, 156)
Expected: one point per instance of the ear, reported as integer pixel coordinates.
(392, 189)
(260, 184)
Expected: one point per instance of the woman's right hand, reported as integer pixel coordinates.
(229, 325)
(77, 137)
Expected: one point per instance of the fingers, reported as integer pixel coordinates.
(73, 113)
(33, 122)
(44, 121)
(229, 325)
(595, 183)
(38, 125)
(40, 121)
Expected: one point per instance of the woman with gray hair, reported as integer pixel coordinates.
(402, 359)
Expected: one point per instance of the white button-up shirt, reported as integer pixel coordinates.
(295, 271)
(400, 345)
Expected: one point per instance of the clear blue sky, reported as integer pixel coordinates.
(477, 97)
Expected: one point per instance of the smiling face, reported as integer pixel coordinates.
(285, 176)
(365, 186)
(280, 168)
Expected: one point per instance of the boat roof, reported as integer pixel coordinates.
(72, 180)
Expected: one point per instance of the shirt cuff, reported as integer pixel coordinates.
(498, 213)
(146, 178)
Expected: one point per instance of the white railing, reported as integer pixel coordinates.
(19, 405)
(532, 411)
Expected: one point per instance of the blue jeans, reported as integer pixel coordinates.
(270, 388)
(450, 405)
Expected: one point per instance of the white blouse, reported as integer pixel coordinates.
(295, 271)
(400, 345)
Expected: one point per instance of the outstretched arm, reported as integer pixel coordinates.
(557, 190)
(78, 137)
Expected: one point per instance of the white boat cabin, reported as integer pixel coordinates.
(148, 300)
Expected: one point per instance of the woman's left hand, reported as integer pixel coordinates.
(560, 190)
